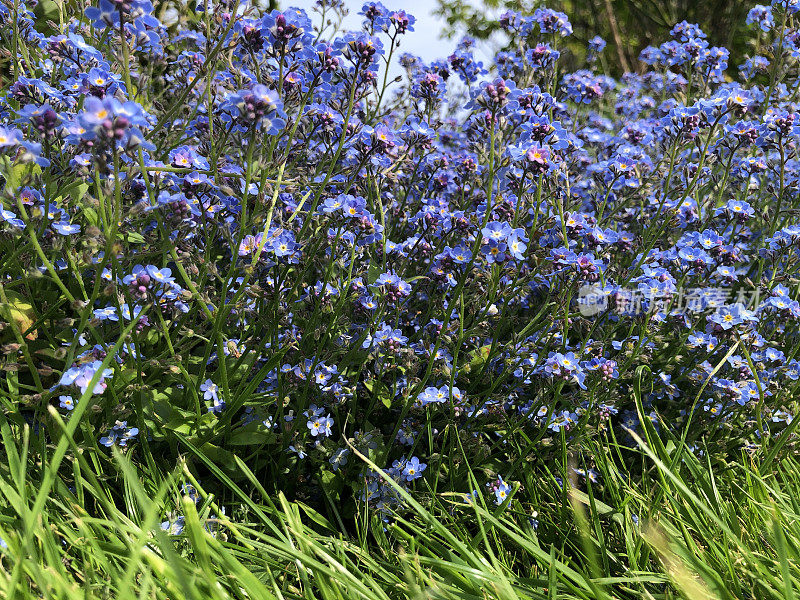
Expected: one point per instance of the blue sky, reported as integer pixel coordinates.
(425, 41)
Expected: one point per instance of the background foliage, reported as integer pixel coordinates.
(627, 25)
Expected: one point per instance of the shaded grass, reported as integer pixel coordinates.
(687, 530)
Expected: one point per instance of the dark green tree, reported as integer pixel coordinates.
(627, 25)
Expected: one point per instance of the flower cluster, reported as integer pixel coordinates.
(240, 236)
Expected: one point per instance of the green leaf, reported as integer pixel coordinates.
(19, 310)
(250, 437)
(188, 425)
(134, 238)
(89, 213)
(331, 483)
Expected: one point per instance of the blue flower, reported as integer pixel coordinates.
(597, 44)
(162, 276)
(81, 376)
(119, 435)
(412, 469)
(211, 393)
(729, 316)
(551, 21)
(175, 527)
(258, 107)
(66, 228)
(9, 138)
(320, 425)
(501, 490)
(107, 313)
(339, 458)
(434, 395)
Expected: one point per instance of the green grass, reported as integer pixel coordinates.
(702, 532)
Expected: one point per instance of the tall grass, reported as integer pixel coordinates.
(688, 530)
